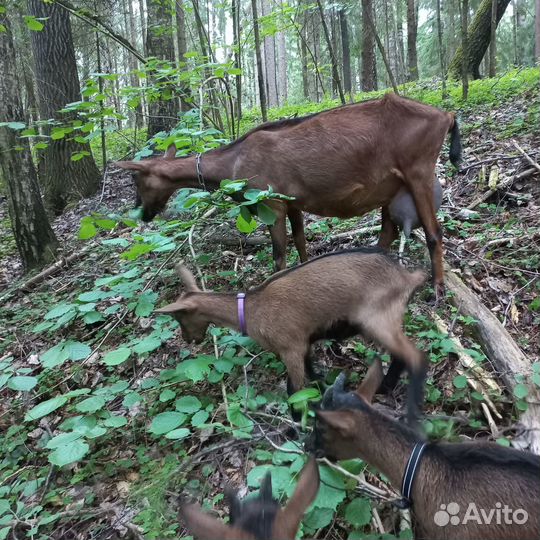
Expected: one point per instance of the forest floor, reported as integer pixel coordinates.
(107, 415)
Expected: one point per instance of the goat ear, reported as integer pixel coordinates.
(206, 527)
(343, 421)
(131, 165)
(187, 277)
(171, 152)
(304, 494)
(179, 305)
(372, 381)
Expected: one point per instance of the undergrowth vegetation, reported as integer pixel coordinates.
(107, 415)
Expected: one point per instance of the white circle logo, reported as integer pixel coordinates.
(447, 514)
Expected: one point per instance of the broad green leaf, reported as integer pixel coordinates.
(91, 404)
(358, 512)
(64, 455)
(266, 214)
(115, 421)
(503, 442)
(460, 381)
(4, 378)
(188, 404)
(521, 390)
(166, 421)
(33, 24)
(22, 383)
(196, 369)
(91, 296)
(318, 518)
(63, 439)
(199, 418)
(4, 506)
(87, 231)
(166, 395)
(131, 400)
(145, 304)
(93, 317)
(77, 351)
(55, 356)
(306, 394)
(223, 365)
(245, 226)
(58, 311)
(16, 125)
(282, 479)
(176, 434)
(117, 356)
(44, 408)
(332, 489)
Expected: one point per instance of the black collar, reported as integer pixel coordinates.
(408, 476)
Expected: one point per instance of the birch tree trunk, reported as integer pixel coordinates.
(281, 67)
(34, 237)
(493, 40)
(269, 47)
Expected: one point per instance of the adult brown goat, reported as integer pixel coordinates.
(457, 491)
(258, 518)
(342, 162)
(336, 295)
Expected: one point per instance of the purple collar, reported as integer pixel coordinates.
(240, 297)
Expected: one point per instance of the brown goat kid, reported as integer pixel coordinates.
(258, 518)
(461, 491)
(332, 296)
(342, 162)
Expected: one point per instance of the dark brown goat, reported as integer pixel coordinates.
(259, 518)
(332, 296)
(342, 162)
(461, 491)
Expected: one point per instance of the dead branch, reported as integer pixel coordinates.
(350, 234)
(526, 156)
(511, 364)
(504, 184)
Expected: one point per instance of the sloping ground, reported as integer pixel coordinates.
(107, 415)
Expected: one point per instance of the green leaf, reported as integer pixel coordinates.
(196, 369)
(58, 311)
(318, 518)
(188, 404)
(266, 214)
(77, 350)
(145, 304)
(245, 226)
(44, 408)
(115, 421)
(4, 506)
(64, 455)
(91, 404)
(16, 125)
(63, 439)
(306, 394)
(107, 224)
(223, 365)
(332, 490)
(180, 433)
(148, 344)
(91, 296)
(521, 390)
(503, 442)
(92, 317)
(22, 383)
(131, 399)
(460, 381)
(166, 395)
(199, 418)
(33, 24)
(87, 230)
(117, 356)
(166, 421)
(358, 512)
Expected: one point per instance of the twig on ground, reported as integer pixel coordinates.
(526, 156)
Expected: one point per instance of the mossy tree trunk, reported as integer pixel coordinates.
(34, 237)
(478, 38)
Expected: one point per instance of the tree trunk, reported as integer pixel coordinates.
(493, 40)
(465, 47)
(159, 44)
(34, 237)
(401, 46)
(282, 68)
(237, 57)
(143, 23)
(441, 49)
(132, 61)
(478, 37)
(335, 71)
(260, 74)
(181, 45)
(304, 60)
(369, 65)
(269, 47)
(412, 30)
(347, 84)
(537, 28)
(56, 70)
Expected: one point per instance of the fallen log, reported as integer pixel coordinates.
(511, 365)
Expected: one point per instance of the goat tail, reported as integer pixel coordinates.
(455, 143)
